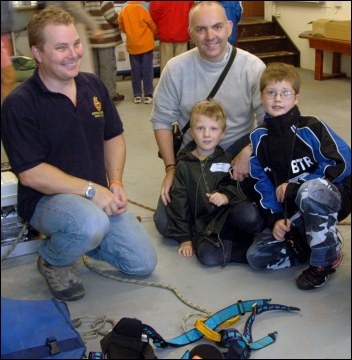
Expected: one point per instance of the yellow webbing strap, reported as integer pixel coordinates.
(210, 334)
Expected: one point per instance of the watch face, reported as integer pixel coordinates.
(90, 192)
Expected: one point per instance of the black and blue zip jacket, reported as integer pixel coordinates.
(293, 148)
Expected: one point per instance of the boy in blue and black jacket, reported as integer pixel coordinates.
(302, 170)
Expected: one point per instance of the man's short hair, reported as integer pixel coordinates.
(200, 4)
(51, 15)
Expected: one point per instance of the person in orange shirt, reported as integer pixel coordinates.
(140, 29)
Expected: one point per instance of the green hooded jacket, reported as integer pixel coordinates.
(190, 215)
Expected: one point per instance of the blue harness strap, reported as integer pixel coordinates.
(130, 336)
(239, 308)
(238, 344)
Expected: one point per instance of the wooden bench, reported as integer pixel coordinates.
(321, 44)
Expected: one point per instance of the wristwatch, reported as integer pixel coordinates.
(90, 191)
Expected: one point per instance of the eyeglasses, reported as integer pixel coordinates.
(271, 94)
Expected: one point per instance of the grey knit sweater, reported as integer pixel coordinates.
(188, 78)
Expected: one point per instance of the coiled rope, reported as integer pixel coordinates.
(173, 289)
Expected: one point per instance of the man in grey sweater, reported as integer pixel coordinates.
(190, 77)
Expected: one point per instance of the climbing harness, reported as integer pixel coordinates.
(206, 328)
(238, 345)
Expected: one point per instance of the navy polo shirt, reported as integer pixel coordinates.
(42, 126)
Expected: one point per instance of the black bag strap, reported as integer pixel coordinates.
(223, 74)
(218, 83)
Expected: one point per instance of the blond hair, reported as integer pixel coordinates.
(278, 72)
(52, 15)
(210, 108)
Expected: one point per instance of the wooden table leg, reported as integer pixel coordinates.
(319, 60)
(336, 63)
(319, 66)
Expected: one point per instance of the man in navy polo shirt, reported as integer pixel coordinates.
(64, 139)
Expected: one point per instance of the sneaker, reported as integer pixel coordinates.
(118, 97)
(137, 100)
(317, 276)
(64, 282)
(148, 100)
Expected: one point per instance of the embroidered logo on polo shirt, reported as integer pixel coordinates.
(97, 104)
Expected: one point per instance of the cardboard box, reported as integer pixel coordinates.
(333, 29)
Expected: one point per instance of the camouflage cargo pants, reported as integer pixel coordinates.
(318, 203)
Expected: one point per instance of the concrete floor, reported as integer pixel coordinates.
(321, 330)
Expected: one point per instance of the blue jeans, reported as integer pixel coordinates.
(142, 70)
(318, 203)
(75, 226)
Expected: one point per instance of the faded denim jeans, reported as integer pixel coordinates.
(318, 202)
(75, 226)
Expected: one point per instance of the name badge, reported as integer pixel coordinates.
(220, 167)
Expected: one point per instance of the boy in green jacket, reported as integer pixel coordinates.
(208, 213)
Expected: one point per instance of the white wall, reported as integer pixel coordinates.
(294, 17)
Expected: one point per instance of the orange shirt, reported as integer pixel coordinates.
(136, 22)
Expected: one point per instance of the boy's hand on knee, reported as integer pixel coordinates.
(186, 249)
